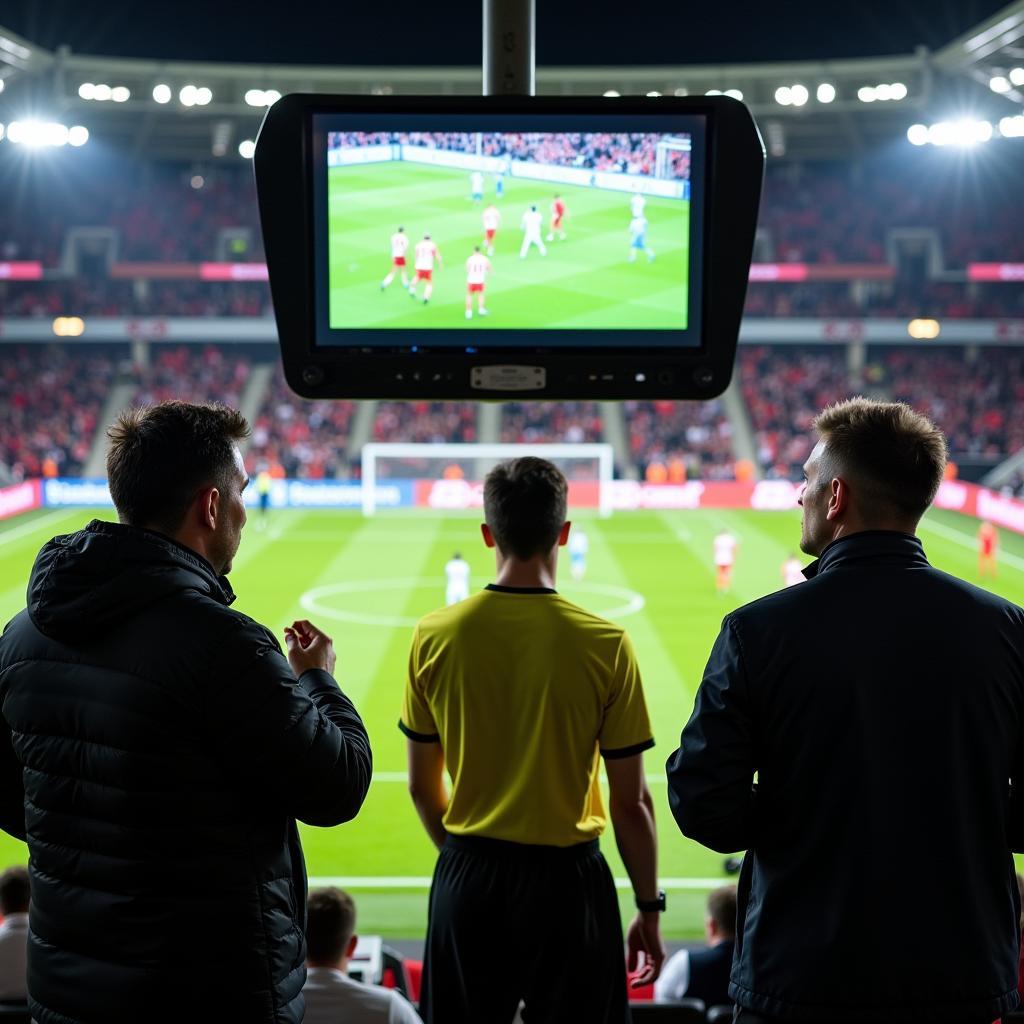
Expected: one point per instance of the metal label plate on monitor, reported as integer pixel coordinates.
(508, 378)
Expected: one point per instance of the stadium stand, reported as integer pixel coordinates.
(674, 441)
(552, 422)
(210, 374)
(423, 422)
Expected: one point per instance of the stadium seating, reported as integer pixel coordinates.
(424, 422)
(551, 422)
(679, 440)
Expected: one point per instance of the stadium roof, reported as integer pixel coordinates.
(865, 102)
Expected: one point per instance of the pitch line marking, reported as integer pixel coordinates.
(965, 540)
(6, 536)
(423, 882)
(311, 600)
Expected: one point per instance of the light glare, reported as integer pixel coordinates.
(799, 95)
(999, 83)
(78, 135)
(867, 94)
(120, 94)
(162, 93)
(203, 96)
(1017, 76)
(87, 91)
(918, 134)
(102, 93)
(898, 91)
(826, 92)
(255, 97)
(736, 94)
(246, 149)
(784, 95)
(187, 96)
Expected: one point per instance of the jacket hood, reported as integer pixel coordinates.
(87, 582)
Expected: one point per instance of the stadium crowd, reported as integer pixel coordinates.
(671, 442)
(551, 422)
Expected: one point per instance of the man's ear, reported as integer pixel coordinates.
(563, 536)
(351, 947)
(839, 498)
(206, 508)
(489, 540)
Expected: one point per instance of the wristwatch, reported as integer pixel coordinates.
(652, 906)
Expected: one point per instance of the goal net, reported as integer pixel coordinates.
(450, 476)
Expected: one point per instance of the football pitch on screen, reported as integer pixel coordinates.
(366, 580)
(584, 281)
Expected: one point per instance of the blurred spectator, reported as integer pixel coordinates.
(704, 973)
(671, 442)
(14, 901)
(551, 422)
(332, 997)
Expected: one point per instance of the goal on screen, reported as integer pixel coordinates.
(450, 476)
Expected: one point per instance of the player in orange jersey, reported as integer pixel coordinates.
(988, 549)
(478, 266)
(491, 219)
(557, 218)
(725, 556)
(427, 253)
(399, 247)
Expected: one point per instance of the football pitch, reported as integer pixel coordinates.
(366, 581)
(585, 281)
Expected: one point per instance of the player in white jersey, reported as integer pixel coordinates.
(478, 266)
(427, 253)
(531, 224)
(579, 545)
(399, 247)
(636, 204)
(792, 571)
(725, 556)
(476, 186)
(492, 221)
(638, 239)
(457, 573)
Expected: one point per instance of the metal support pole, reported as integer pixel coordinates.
(510, 57)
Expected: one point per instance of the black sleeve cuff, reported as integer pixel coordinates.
(637, 748)
(419, 737)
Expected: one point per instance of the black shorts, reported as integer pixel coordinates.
(510, 922)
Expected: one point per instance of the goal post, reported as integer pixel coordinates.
(587, 462)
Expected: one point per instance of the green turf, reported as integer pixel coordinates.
(664, 556)
(585, 281)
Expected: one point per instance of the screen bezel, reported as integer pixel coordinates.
(734, 169)
(505, 341)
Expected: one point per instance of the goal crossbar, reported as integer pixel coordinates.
(601, 453)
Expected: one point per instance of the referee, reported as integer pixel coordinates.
(519, 693)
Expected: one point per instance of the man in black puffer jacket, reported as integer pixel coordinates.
(156, 749)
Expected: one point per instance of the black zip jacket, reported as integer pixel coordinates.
(881, 704)
(155, 751)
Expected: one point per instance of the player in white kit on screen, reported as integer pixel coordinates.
(478, 266)
(427, 253)
(531, 225)
(636, 204)
(725, 556)
(476, 186)
(399, 247)
(492, 220)
(457, 573)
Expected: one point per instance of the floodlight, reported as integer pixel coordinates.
(68, 326)
(162, 93)
(203, 95)
(271, 96)
(78, 135)
(654, 92)
(246, 148)
(187, 95)
(1012, 127)
(611, 92)
(826, 92)
(256, 98)
(867, 94)
(87, 91)
(102, 93)
(897, 91)
(1017, 76)
(883, 92)
(799, 95)
(784, 95)
(735, 94)
(918, 134)
(923, 329)
(120, 94)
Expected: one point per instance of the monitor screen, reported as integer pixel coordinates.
(475, 232)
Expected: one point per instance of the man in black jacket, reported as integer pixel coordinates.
(156, 749)
(880, 706)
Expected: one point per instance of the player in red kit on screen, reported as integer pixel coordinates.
(399, 247)
(557, 218)
(427, 253)
(478, 266)
(492, 220)
(988, 548)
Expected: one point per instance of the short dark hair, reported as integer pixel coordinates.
(14, 890)
(330, 924)
(525, 505)
(161, 455)
(722, 910)
(897, 455)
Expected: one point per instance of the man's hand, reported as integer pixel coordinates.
(645, 952)
(308, 648)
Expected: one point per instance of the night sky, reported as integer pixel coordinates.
(448, 32)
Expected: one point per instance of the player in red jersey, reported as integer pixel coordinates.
(399, 247)
(427, 253)
(491, 219)
(557, 218)
(478, 266)
(988, 548)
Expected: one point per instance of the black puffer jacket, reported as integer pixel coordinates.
(155, 751)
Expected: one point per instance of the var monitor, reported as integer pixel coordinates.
(508, 247)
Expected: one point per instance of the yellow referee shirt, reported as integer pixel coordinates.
(524, 690)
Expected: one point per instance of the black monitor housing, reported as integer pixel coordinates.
(337, 175)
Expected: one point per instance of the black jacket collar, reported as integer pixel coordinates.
(870, 547)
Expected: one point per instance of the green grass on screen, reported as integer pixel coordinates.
(584, 281)
(665, 557)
